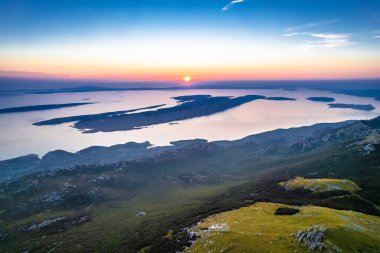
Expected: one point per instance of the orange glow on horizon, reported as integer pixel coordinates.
(295, 69)
(178, 60)
(206, 75)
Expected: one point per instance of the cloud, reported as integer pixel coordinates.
(376, 34)
(328, 36)
(310, 25)
(292, 34)
(230, 4)
(313, 39)
(324, 40)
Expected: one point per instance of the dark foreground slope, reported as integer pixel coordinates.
(146, 203)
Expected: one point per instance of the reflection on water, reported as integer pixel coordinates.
(20, 137)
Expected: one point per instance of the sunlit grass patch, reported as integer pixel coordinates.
(257, 229)
(321, 184)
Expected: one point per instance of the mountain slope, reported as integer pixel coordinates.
(146, 203)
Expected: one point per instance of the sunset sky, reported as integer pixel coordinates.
(165, 40)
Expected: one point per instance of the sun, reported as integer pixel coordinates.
(187, 79)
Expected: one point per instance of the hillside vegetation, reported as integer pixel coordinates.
(321, 184)
(257, 229)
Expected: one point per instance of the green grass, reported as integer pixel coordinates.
(321, 184)
(257, 229)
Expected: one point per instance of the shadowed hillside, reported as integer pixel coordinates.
(147, 202)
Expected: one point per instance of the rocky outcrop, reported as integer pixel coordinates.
(311, 237)
(187, 151)
(368, 148)
(105, 180)
(43, 224)
(355, 131)
(50, 198)
(140, 214)
(59, 224)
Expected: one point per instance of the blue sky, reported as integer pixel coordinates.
(344, 29)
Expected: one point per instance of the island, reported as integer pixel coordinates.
(321, 99)
(368, 107)
(99, 116)
(189, 106)
(280, 99)
(39, 107)
(371, 93)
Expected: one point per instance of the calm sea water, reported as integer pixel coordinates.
(20, 137)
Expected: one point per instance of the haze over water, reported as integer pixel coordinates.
(20, 137)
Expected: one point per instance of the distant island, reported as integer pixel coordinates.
(280, 99)
(368, 107)
(371, 93)
(190, 106)
(321, 99)
(57, 121)
(76, 90)
(39, 107)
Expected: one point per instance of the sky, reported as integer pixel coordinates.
(165, 40)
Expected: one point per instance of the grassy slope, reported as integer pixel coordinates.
(321, 184)
(257, 229)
